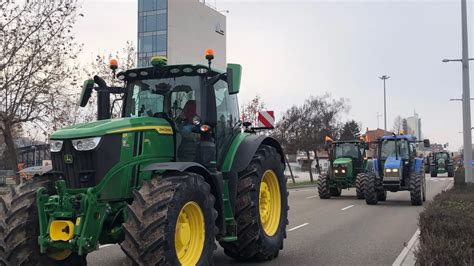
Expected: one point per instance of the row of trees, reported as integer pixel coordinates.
(304, 128)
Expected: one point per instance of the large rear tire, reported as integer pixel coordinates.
(171, 222)
(21, 228)
(416, 189)
(323, 187)
(370, 189)
(359, 184)
(261, 208)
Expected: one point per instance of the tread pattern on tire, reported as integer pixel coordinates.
(370, 191)
(323, 187)
(149, 233)
(416, 194)
(19, 229)
(359, 184)
(252, 243)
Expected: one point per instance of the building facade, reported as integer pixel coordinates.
(180, 30)
(414, 126)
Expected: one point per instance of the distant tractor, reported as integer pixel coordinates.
(166, 180)
(440, 163)
(396, 168)
(347, 168)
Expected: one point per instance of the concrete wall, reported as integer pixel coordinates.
(192, 28)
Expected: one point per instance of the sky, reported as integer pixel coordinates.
(291, 50)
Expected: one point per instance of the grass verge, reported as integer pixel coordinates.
(447, 229)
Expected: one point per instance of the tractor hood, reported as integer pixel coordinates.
(111, 126)
(393, 163)
(342, 161)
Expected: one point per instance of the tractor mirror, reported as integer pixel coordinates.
(86, 92)
(426, 143)
(234, 75)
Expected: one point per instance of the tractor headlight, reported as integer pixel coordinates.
(86, 144)
(388, 170)
(395, 170)
(343, 171)
(55, 145)
(336, 171)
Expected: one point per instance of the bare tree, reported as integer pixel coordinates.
(37, 44)
(397, 124)
(251, 108)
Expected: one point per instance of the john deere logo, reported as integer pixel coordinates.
(68, 159)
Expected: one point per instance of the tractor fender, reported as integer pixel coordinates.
(418, 165)
(246, 148)
(215, 181)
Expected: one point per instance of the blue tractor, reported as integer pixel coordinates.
(396, 167)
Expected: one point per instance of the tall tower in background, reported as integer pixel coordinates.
(180, 30)
(414, 126)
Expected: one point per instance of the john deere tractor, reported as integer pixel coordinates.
(396, 168)
(441, 162)
(166, 180)
(347, 169)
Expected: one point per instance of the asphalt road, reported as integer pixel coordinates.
(338, 231)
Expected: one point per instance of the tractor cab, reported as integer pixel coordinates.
(347, 156)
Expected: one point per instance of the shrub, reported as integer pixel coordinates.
(447, 229)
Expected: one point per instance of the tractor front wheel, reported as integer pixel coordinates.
(19, 228)
(451, 171)
(335, 191)
(370, 189)
(382, 195)
(261, 208)
(323, 187)
(171, 222)
(416, 189)
(359, 184)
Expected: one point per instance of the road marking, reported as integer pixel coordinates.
(107, 245)
(403, 255)
(348, 207)
(297, 227)
(312, 197)
(451, 183)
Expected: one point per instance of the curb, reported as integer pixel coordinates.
(407, 256)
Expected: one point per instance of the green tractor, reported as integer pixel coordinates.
(347, 168)
(441, 162)
(166, 180)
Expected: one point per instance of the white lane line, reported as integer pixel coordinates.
(348, 207)
(451, 183)
(312, 197)
(297, 227)
(406, 249)
(107, 245)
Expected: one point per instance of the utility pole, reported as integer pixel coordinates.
(384, 78)
(466, 103)
(378, 116)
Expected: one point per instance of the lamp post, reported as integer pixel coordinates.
(466, 100)
(384, 78)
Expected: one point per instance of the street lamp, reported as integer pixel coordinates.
(384, 78)
(466, 103)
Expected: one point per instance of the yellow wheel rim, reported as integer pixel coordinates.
(59, 254)
(270, 203)
(189, 234)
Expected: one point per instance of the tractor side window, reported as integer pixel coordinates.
(227, 116)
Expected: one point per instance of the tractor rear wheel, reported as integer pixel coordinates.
(171, 222)
(335, 191)
(20, 228)
(359, 184)
(416, 189)
(370, 189)
(433, 171)
(323, 187)
(261, 208)
(450, 171)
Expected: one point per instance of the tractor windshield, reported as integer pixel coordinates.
(173, 98)
(347, 150)
(389, 149)
(443, 156)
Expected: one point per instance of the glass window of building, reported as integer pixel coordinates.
(160, 43)
(146, 43)
(150, 23)
(161, 22)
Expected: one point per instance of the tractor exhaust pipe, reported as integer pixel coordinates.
(103, 99)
